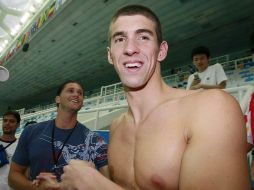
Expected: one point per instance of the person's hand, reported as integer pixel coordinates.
(196, 81)
(79, 174)
(46, 181)
(196, 87)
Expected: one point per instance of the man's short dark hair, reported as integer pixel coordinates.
(61, 87)
(130, 10)
(13, 113)
(200, 50)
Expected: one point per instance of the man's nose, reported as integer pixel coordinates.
(131, 47)
(75, 93)
(198, 60)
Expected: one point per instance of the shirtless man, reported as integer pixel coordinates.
(170, 138)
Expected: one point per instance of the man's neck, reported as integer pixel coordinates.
(66, 120)
(8, 138)
(201, 71)
(143, 101)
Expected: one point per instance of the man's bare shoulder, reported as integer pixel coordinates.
(213, 97)
(202, 98)
(213, 110)
(117, 122)
(215, 132)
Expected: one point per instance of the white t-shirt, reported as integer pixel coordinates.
(213, 75)
(4, 171)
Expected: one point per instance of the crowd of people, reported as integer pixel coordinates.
(169, 138)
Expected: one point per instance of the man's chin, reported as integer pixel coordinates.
(7, 132)
(134, 88)
(75, 109)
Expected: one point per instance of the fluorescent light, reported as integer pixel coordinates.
(32, 9)
(39, 1)
(15, 30)
(17, 27)
(25, 17)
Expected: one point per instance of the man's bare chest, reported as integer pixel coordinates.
(147, 158)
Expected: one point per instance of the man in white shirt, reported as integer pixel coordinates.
(207, 77)
(8, 143)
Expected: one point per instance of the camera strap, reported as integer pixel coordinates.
(4, 147)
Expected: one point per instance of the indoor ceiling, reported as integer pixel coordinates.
(15, 16)
(73, 44)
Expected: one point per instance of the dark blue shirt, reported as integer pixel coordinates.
(35, 147)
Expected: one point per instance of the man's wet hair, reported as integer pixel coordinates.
(200, 50)
(131, 10)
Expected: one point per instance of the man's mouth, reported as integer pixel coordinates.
(6, 128)
(133, 65)
(75, 101)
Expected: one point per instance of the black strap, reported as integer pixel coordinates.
(4, 147)
(56, 158)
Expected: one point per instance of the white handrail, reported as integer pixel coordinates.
(241, 93)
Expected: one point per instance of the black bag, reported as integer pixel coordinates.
(3, 155)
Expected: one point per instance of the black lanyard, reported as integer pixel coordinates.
(56, 158)
(4, 147)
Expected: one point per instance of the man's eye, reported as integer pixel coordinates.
(119, 39)
(144, 37)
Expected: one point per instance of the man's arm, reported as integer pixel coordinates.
(81, 175)
(17, 178)
(215, 157)
(222, 85)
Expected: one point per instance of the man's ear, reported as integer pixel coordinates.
(163, 51)
(57, 99)
(109, 56)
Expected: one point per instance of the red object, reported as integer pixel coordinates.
(251, 108)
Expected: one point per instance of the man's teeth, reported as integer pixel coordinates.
(133, 65)
(75, 101)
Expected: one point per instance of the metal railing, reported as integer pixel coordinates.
(113, 97)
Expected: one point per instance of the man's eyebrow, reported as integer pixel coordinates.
(120, 33)
(143, 30)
